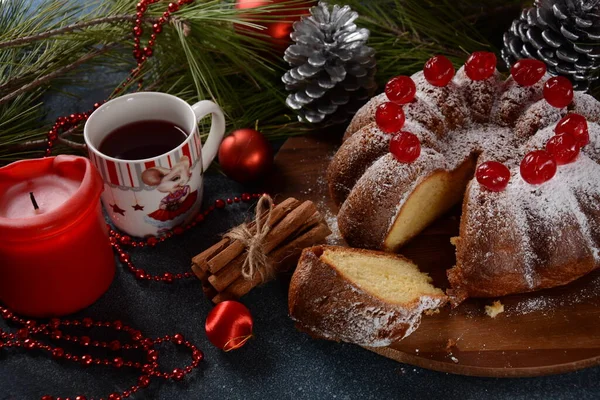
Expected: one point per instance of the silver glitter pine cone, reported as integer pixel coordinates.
(565, 34)
(333, 70)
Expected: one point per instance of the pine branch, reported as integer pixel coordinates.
(61, 71)
(69, 29)
(416, 39)
(201, 54)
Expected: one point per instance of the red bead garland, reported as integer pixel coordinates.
(26, 338)
(119, 241)
(141, 55)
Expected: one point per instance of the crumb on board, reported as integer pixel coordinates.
(495, 309)
(454, 360)
(432, 312)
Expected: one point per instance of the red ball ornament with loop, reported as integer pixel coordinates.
(493, 176)
(405, 147)
(537, 167)
(576, 125)
(564, 148)
(438, 71)
(229, 325)
(401, 89)
(245, 155)
(481, 65)
(389, 117)
(558, 91)
(528, 72)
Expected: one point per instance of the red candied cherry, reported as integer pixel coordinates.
(405, 147)
(493, 176)
(528, 72)
(481, 65)
(558, 91)
(401, 89)
(438, 71)
(538, 167)
(576, 125)
(563, 147)
(389, 117)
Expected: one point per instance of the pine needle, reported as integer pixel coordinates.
(202, 54)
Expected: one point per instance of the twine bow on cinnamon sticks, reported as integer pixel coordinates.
(253, 253)
(256, 260)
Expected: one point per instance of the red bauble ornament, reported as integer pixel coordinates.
(558, 91)
(405, 147)
(480, 65)
(576, 125)
(401, 89)
(493, 176)
(245, 155)
(229, 325)
(275, 32)
(564, 148)
(528, 72)
(538, 167)
(438, 71)
(389, 117)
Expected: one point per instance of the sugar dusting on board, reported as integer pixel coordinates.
(546, 304)
(559, 307)
(320, 187)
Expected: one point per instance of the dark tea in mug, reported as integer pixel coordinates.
(142, 139)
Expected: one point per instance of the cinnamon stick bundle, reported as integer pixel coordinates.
(285, 229)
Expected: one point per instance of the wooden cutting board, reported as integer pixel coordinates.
(547, 332)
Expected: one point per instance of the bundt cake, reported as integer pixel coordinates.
(522, 153)
(359, 296)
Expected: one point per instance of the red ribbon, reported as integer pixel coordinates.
(229, 325)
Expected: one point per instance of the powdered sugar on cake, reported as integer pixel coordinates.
(543, 229)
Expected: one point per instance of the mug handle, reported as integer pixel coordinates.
(217, 130)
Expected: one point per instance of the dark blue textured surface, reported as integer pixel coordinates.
(278, 363)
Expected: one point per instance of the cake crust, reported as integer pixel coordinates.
(525, 238)
(326, 305)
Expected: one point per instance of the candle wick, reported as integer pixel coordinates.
(35, 204)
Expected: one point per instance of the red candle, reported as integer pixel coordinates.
(55, 254)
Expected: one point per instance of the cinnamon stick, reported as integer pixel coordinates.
(235, 248)
(199, 272)
(201, 259)
(289, 251)
(228, 274)
(293, 225)
(292, 250)
(233, 270)
(290, 224)
(220, 260)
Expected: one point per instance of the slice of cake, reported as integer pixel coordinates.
(365, 297)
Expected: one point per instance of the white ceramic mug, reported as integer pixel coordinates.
(151, 196)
